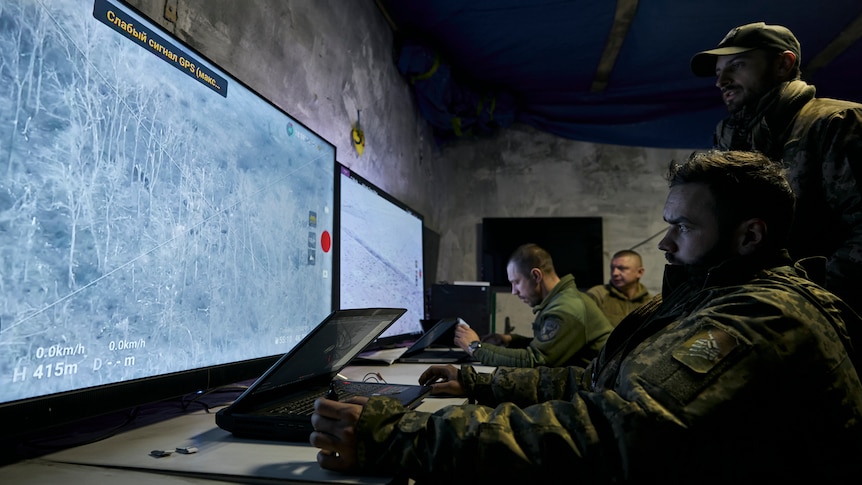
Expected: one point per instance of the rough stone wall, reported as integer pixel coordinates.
(526, 173)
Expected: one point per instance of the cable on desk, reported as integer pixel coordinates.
(186, 402)
(375, 377)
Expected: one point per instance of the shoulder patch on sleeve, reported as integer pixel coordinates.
(550, 329)
(705, 349)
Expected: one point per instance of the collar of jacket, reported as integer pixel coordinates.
(565, 282)
(776, 112)
(613, 290)
(733, 271)
(763, 127)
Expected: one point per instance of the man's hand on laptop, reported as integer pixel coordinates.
(443, 379)
(334, 432)
(464, 335)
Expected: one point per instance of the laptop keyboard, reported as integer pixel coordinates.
(305, 404)
(301, 406)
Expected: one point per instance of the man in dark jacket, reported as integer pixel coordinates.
(739, 371)
(757, 69)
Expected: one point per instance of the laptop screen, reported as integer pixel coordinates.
(330, 346)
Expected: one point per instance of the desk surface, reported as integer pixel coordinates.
(221, 457)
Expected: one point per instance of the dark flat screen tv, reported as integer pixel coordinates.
(163, 228)
(380, 255)
(575, 245)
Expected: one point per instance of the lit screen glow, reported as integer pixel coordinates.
(156, 215)
(381, 261)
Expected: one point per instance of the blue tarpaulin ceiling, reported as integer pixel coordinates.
(612, 72)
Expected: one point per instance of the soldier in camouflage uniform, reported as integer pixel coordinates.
(738, 372)
(757, 68)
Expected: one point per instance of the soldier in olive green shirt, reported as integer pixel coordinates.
(569, 328)
(624, 292)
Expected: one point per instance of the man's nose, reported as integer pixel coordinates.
(721, 79)
(665, 243)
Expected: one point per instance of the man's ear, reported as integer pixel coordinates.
(786, 62)
(536, 274)
(751, 235)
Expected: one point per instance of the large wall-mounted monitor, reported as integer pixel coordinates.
(575, 245)
(163, 228)
(380, 254)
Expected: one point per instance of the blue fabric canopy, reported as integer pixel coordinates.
(602, 71)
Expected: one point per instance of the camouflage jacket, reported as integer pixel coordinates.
(820, 142)
(738, 374)
(614, 303)
(568, 330)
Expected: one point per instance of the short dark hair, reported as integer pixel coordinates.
(744, 185)
(529, 256)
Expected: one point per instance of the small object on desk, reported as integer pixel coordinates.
(160, 453)
(187, 450)
(332, 394)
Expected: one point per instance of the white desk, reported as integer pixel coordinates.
(221, 457)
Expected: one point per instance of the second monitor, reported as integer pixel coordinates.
(380, 255)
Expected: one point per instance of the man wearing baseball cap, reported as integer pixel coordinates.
(772, 111)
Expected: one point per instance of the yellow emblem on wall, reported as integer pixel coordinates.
(358, 136)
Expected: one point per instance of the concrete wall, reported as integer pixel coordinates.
(323, 60)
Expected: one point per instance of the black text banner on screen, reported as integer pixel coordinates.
(165, 229)
(380, 257)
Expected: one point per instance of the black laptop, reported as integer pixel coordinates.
(278, 405)
(423, 352)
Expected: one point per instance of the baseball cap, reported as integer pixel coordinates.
(744, 38)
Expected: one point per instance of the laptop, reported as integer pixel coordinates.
(422, 352)
(278, 405)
